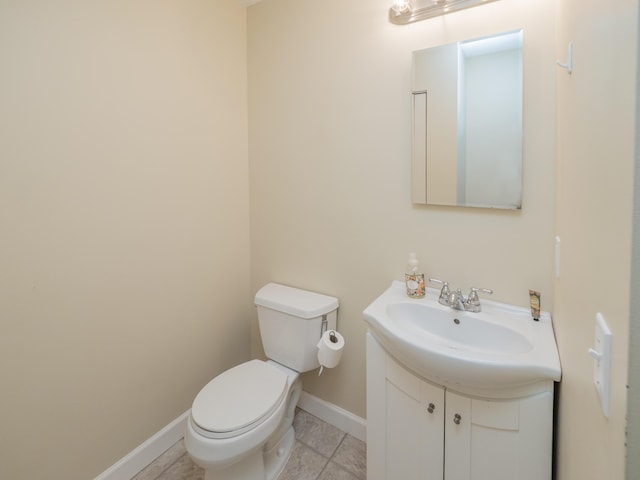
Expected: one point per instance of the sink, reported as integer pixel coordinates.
(500, 348)
(456, 330)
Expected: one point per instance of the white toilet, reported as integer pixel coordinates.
(241, 422)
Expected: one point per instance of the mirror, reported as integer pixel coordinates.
(467, 123)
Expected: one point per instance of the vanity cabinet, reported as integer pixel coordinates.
(417, 429)
(414, 413)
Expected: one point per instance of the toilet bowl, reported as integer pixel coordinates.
(241, 422)
(224, 440)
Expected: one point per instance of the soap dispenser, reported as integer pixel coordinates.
(414, 279)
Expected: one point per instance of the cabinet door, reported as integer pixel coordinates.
(457, 438)
(498, 439)
(414, 426)
(481, 439)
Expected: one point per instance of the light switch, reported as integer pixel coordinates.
(601, 354)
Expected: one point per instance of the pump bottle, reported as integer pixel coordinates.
(414, 279)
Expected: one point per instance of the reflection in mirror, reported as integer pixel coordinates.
(467, 123)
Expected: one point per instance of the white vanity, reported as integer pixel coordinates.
(456, 395)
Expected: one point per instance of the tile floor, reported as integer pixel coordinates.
(321, 452)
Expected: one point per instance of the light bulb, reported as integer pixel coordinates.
(400, 6)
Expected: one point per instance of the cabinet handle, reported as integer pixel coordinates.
(431, 408)
(457, 418)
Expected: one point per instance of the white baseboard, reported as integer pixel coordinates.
(128, 466)
(336, 416)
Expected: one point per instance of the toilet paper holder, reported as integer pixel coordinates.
(324, 325)
(323, 328)
(330, 349)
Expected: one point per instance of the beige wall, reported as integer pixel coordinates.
(125, 206)
(596, 133)
(329, 149)
(124, 257)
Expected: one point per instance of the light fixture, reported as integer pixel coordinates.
(408, 11)
(400, 6)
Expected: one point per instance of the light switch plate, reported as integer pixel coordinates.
(601, 354)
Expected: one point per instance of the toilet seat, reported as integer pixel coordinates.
(239, 399)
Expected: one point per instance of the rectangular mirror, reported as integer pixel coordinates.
(467, 123)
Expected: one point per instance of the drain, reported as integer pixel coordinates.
(456, 321)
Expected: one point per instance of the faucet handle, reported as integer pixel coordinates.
(473, 301)
(483, 290)
(444, 292)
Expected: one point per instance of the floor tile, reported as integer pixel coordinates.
(352, 455)
(321, 436)
(303, 464)
(160, 464)
(321, 452)
(335, 472)
(183, 469)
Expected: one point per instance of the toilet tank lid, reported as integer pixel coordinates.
(294, 301)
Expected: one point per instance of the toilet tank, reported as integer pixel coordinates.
(291, 324)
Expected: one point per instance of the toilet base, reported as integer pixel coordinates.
(269, 454)
(260, 465)
(276, 458)
(250, 468)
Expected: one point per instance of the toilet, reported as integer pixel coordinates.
(241, 422)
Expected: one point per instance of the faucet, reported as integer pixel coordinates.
(457, 301)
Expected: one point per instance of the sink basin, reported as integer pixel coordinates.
(456, 330)
(500, 348)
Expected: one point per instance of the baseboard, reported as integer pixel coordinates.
(128, 466)
(334, 415)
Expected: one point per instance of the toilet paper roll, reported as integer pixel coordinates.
(330, 348)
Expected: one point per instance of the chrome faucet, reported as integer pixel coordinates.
(473, 300)
(457, 301)
(445, 293)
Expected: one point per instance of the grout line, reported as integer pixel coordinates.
(328, 459)
(344, 435)
(306, 445)
(323, 469)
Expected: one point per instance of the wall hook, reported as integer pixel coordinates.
(569, 64)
